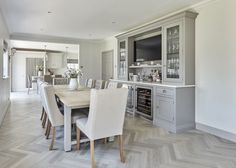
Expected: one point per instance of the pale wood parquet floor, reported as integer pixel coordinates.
(22, 144)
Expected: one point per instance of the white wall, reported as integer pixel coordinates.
(89, 58)
(216, 65)
(107, 45)
(4, 83)
(19, 69)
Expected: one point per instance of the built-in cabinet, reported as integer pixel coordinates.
(173, 53)
(175, 110)
(178, 53)
(123, 59)
(172, 101)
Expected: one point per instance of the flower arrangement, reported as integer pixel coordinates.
(39, 67)
(73, 73)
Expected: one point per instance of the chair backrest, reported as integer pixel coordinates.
(90, 83)
(41, 85)
(125, 86)
(48, 79)
(112, 85)
(53, 112)
(99, 84)
(106, 112)
(58, 76)
(106, 84)
(60, 81)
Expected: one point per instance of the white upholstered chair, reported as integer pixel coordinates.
(89, 83)
(106, 117)
(112, 85)
(99, 84)
(44, 113)
(54, 115)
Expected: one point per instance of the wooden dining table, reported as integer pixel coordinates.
(71, 99)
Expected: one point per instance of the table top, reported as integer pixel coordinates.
(73, 98)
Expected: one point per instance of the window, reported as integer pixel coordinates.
(5, 60)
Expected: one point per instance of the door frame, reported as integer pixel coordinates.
(103, 52)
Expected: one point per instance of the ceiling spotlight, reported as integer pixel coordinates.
(49, 12)
(113, 22)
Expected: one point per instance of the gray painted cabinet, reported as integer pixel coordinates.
(175, 110)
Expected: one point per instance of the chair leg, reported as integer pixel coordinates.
(44, 120)
(122, 157)
(92, 154)
(42, 114)
(46, 131)
(105, 140)
(53, 137)
(78, 138)
(49, 125)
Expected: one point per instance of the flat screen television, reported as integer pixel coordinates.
(148, 49)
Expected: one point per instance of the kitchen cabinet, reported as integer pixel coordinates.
(123, 59)
(130, 99)
(174, 110)
(55, 60)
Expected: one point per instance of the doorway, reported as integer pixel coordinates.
(107, 65)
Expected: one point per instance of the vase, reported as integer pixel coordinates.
(73, 84)
(40, 73)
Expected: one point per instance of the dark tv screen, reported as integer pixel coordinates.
(148, 49)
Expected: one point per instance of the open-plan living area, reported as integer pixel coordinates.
(117, 84)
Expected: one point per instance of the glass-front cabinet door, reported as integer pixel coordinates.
(122, 60)
(173, 53)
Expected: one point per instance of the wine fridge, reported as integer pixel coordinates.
(144, 102)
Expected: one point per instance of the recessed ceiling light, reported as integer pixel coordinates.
(113, 22)
(41, 29)
(49, 12)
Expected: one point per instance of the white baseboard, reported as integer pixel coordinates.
(2, 115)
(217, 132)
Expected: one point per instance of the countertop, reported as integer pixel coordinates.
(153, 84)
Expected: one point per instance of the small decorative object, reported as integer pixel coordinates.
(138, 63)
(39, 68)
(73, 74)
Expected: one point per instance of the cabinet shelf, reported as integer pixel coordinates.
(145, 66)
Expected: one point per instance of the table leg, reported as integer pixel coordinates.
(67, 128)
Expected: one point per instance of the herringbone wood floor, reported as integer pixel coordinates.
(22, 144)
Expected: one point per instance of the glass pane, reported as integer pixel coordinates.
(123, 57)
(173, 45)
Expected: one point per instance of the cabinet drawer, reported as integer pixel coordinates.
(164, 91)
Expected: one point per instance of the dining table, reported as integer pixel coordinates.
(71, 99)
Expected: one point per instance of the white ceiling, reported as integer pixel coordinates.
(84, 19)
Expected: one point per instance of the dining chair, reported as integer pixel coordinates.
(106, 84)
(54, 115)
(30, 82)
(105, 119)
(112, 85)
(60, 81)
(99, 84)
(48, 79)
(90, 83)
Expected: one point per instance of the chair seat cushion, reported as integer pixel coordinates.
(80, 123)
(76, 116)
